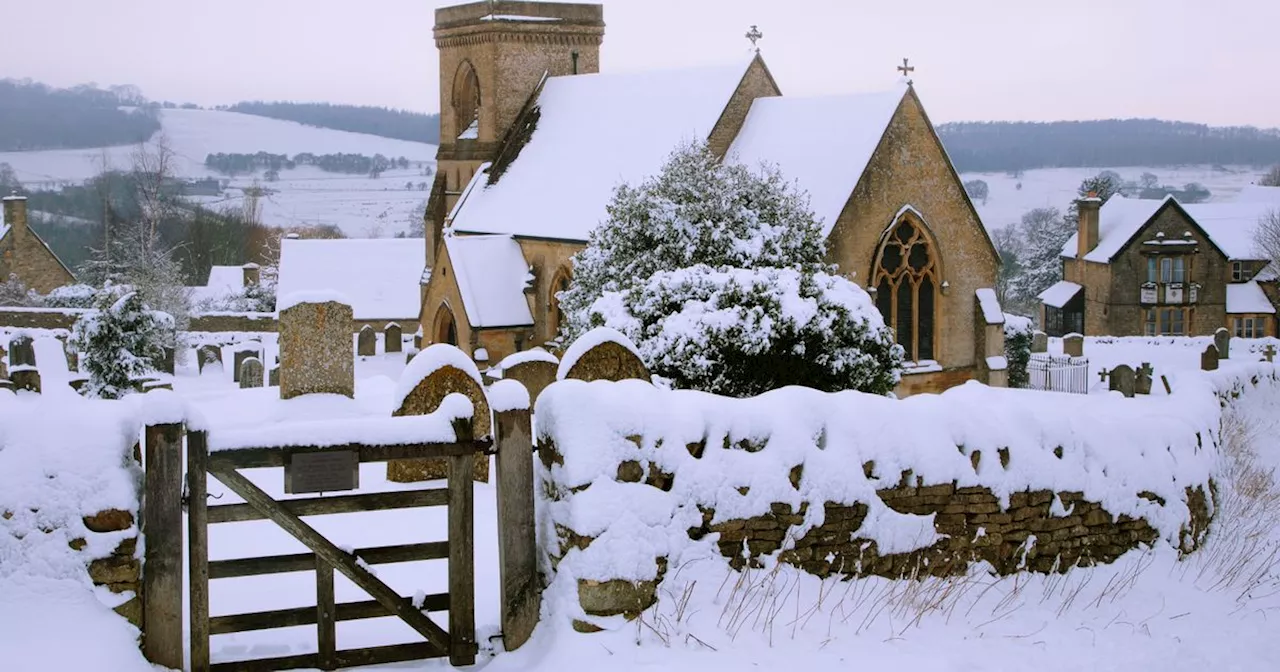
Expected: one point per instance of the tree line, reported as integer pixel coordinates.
(383, 121)
(1003, 146)
(35, 116)
(355, 164)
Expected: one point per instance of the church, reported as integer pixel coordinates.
(534, 139)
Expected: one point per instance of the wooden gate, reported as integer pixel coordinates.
(332, 468)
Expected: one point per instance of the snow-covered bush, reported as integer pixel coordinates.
(14, 292)
(717, 273)
(119, 341)
(251, 299)
(72, 296)
(1018, 333)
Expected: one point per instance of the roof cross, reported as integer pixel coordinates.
(754, 34)
(906, 69)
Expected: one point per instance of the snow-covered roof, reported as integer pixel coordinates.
(223, 281)
(1059, 294)
(1247, 297)
(1229, 225)
(990, 304)
(594, 132)
(491, 272)
(379, 276)
(823, 143)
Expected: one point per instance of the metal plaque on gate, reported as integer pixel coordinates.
(323, 471)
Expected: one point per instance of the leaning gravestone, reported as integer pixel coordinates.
(1209, 358)
(315, 350)
(449, 371)
(1222, 340)
(22, 364)
(208, 354)
(250, 373)
(367, 342)
(1073, 345)
(1039, 342)
(535, 369)
(602, 354)
(1123, 380)
(392, 338)
(242, 353)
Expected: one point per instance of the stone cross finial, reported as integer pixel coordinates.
(906, 69)
(1146, 369)
(1103, 374)
(754, 34)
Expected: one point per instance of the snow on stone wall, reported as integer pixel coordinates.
(637, 479)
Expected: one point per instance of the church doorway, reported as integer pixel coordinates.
(906, 283)
(446, 330)
(560, 283)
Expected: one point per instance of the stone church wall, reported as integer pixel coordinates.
(854, 485)
(756, 83)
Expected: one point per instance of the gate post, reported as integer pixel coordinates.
(198, 541)
(162, 533)
(517, 557)
(462, 574)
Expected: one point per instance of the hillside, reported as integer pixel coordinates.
(386, 122)
(36, 116)
(1013, 146)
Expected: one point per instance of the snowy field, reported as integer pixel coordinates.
(307, 195)
(1148, 611)
(1056, 187)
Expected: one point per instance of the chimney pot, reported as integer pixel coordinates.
(1087, 232)
(15, 212)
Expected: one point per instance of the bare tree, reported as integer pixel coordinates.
(154, 172)
(1266, 238)
(1272, 178)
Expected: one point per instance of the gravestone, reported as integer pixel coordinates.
(1073, 345)
(4, 366)
(1268, 353)
(1039, 342)
(22, 364)
(535, 375)
(315, 350)
(207, 354)
(424, 399)
(250, 373)
(367, 342)
(1123, 380)
(392, 338)
(165, 362)
(72, 357)
(273, 378)
(608, 360)
(1209, 358)
(1222, 339)
(244, 352)
(1143, 384)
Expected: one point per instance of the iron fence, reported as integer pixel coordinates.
(1058, 373)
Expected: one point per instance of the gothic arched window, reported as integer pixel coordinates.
(560, 283)
(906, 282)
(466, 101)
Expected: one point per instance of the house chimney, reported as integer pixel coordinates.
(15, 212)
(1087, 236)
(252, 273)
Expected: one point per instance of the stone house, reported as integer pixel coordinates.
(24, 254)
(1158, 267)
(534, 140)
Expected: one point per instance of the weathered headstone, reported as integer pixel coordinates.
(1269, 352)
(72, 357)
(1123, 380)
(315, 350)
(608, 360)
(535, 375)
(4, 366)
(1143, 384)
(250, 373)
(22, 364)
(1209, 358)
(242, 353)
(1222, 339)
(367, 342)
(165, 362)
(1039, 342)
(424, 399)
(208, 354)
(273, 378)
(392, 338)
(1073, 345)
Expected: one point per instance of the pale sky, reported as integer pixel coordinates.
(1188, 60)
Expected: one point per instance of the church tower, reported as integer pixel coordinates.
(493, 56)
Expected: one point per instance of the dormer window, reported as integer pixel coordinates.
(1239, 272)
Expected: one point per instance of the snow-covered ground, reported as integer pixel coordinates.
(354, 203)
(1056, 187)
(1147, 611)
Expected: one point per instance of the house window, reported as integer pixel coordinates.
(1150, 327)
(1172, 321)
(906, 278)
(1172, 269)
(1249, 327)
(1153, 274)
(1239, 272)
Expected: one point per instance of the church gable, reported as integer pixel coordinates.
(756, 83)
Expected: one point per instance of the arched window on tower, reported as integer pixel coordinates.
(906, 282)
(466, 102)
